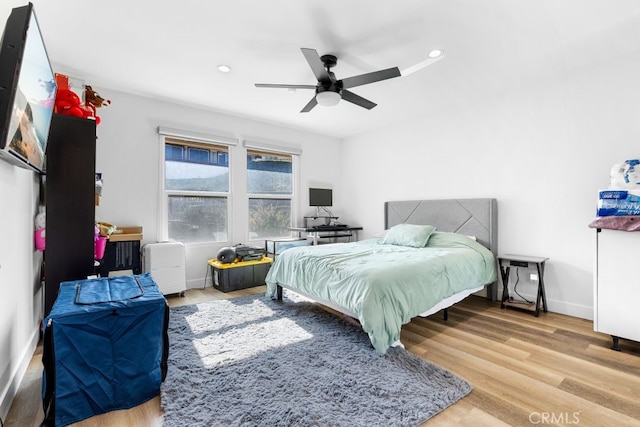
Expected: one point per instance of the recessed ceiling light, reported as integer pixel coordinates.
(224, 68)
(432, 57)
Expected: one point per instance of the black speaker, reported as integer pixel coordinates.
(226, 255)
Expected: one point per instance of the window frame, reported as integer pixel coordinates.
(277, 147)
(237, 196)
(292, 197)
(196, 140)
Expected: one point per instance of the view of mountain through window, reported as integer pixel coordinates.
(270, 190)
(197, 186)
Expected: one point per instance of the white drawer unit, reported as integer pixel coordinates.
(166, 261)
(616, 285)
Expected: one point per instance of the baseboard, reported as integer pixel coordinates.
(10, 389)
(199, 283)
(570, 309)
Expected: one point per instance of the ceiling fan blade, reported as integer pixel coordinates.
(312, 57)
(285, 86)
(375, 76)
(357, 99)
(309, 105)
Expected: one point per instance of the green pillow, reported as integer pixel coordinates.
(412, 235)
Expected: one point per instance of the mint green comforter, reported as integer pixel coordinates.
(385, 285)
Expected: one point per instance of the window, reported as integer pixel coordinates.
(270, 191)
(213, 197)
(196, 182)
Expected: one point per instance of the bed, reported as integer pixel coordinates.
(434, 253)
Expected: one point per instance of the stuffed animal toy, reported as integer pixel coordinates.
(93, 100)
(68, 103)
(40, 221)
(40, 233)
(92, 97)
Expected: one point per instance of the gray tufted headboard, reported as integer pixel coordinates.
(474, 217)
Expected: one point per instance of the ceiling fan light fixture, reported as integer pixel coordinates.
(329, 90)
(328, 98)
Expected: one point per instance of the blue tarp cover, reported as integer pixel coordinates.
(107, 350)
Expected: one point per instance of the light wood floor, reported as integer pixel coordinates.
(550, 370)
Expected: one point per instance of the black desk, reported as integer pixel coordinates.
(508, 261)
(327, 232)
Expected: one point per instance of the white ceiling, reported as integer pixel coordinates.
(169, 50)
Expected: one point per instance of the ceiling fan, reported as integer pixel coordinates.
(330, 90)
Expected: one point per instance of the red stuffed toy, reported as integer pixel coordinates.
(68, 103)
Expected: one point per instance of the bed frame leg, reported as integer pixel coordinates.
(279, 293)
(445, 314)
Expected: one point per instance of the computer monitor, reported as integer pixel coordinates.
(321, 197)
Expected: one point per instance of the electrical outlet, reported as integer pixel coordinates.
(533, 277)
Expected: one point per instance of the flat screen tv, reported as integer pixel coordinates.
(320, 197)
(27, 91)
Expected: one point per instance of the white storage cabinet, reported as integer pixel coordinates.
(166, 261)
(616, 285)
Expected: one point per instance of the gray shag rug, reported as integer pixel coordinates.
(251, 361)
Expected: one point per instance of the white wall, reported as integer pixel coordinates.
(21, 304)
(128, 150)
(542, 150)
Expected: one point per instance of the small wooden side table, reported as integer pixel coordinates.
(509, 260)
